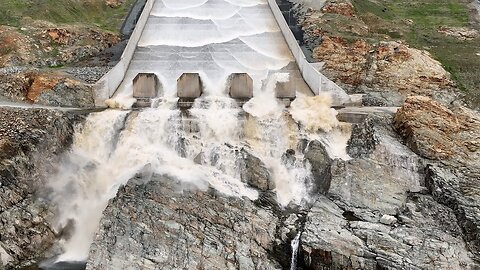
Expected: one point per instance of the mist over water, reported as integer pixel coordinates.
(199, 147)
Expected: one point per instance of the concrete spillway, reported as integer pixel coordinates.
(214, 38)
(219, 46)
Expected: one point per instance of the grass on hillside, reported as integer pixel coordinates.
(391, 17)
(89, 12)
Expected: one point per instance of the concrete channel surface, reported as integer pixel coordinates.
(214, 38)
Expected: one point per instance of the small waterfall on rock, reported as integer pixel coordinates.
(295, 243)
(203, 147)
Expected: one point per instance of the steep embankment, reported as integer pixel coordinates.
(45, 49)
(389, 49)
(31, 141)
(50, 52)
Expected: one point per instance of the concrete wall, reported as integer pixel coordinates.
(108, 84)
(310, 71)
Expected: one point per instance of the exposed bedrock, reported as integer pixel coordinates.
(320, 162)
(452, 136)
(166, 225)
(378, 213)
(30, 140)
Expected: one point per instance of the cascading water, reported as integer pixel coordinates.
(198, 147)
(294, 245)
(200, 150)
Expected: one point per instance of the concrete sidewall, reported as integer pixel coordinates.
(108, 84)
(312, 76)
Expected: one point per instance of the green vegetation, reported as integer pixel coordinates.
(417, 22)
(90, 12)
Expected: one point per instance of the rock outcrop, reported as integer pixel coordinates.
(449, 139)
(161, 225)
(254, 172)
(387, 72)
(378, 213)
(46, 88)
(436, 132)
(320, 163)
(30, 140)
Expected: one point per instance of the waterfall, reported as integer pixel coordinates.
(199, 147)
(295, 243)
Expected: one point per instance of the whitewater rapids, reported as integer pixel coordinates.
(198, 147)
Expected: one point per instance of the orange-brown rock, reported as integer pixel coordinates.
(59, 35)
(41, 82)
(345, 9)
(346, 62)
(437, 132)
(388, 66)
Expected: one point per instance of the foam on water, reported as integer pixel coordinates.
(199, 148)
(315, 113)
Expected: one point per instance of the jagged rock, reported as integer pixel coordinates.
(154, 226)
(386, 67)
(326, 241)
(436, 132)
(30, 141)
(427, 237)
(459, 189)
(450, 135)
(320, 162)
(382, 171)
(363, 140)
(254, 172)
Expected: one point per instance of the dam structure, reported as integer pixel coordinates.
(215, 39)
(214, 78)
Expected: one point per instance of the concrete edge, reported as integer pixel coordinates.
(108, 84)
(312, 76)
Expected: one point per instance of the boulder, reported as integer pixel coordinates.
(254, 172)
(436, 132)
(317, 156)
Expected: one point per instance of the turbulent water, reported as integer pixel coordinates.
(198, 147)
(294, 245)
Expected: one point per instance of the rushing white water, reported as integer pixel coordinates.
(198, 148)
(295, 243)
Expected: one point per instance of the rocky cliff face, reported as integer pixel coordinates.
(162, 225)
(390, 208)
(30, 140)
